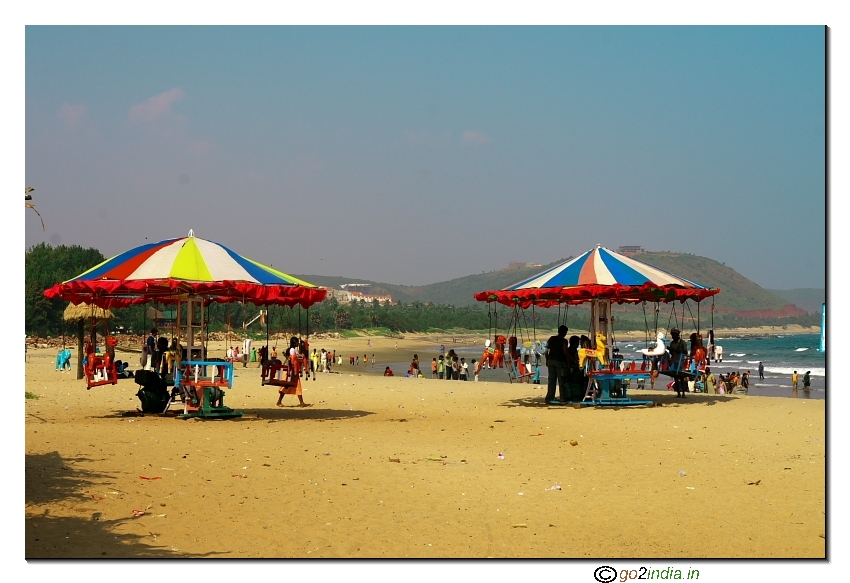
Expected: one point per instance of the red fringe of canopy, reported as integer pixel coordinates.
(619, 294)
(118, 293)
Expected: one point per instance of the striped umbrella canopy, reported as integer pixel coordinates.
(598, 274)
(189, 265)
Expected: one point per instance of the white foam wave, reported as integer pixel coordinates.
(738, 354)
(800, 349)
(753, 361)
(729, 360)
(786, 370)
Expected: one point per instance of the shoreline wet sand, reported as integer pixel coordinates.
(396, 467)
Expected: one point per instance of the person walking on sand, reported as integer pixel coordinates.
(794, 384)
(761, 371)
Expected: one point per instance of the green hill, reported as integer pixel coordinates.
(738, 294)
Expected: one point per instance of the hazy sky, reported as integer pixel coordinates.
(413, 155)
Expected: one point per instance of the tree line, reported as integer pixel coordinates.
(46, 266)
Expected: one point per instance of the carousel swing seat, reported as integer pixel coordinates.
(99, 368)
(279, 374)
(202, 385)
(153, 392)
(517, 371)
(682, 368)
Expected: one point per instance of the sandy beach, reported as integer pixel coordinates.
(397, 467)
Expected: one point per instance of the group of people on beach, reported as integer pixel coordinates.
(449, 367)
(733, 383)
(159, 355)
(562, 361)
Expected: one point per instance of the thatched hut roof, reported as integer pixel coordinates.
(85, 312)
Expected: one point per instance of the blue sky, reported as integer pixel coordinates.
(413, 155)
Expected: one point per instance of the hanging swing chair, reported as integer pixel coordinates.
(94, 316)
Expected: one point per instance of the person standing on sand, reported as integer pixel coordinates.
(556, 362)
(476, 369)
(710, 382)
(677, 350)
(794, 384)
(807, 380)
(464, 370)
(434, 368)
(761, 371)
(441, 367)
(246, 352)
(373, 362)
(448, 362)
(151, 341)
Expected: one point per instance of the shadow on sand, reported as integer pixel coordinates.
(50, 479)
(658, 399)
(289, 412)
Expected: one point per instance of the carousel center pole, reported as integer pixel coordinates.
(600, 322)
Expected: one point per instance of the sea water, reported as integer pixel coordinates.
(781, 355)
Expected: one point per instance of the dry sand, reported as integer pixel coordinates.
(410, 468)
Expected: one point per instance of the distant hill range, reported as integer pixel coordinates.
(806, 298)
(738, 294)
